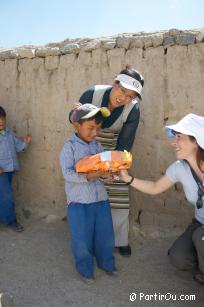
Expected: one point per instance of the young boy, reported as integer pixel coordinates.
(9, 146)
(88, 209)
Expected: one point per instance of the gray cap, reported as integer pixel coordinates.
(86, 111)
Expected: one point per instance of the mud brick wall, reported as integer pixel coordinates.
(38, 85)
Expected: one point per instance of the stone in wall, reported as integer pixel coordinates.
(25, 52)
(70, 48)
(169, 40)
(123, 42)
(185, 39)
(200, 37)
(47, 51)
(8, 54)
(92, 45)
(157, 40)
(108, 44)
(136, 42)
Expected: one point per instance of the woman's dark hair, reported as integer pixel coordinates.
(2, 112)
(199, 154)
(200, 157)
(133, 73)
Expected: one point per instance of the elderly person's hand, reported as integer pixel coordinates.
(75, 105)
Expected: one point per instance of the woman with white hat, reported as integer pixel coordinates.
(187, 252)
(118, 132)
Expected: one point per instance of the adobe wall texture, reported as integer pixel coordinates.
(39, 84)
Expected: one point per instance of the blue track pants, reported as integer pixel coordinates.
(91, 235)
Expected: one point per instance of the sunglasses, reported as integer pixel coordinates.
(199, 203)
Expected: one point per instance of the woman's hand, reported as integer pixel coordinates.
(1, 170)
(125, 176)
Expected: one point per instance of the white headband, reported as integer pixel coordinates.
(129, 83)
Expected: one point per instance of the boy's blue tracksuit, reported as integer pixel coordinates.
(9, 146)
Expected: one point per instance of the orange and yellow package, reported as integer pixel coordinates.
(105, 161)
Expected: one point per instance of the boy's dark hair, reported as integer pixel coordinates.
(98, 118)
(2, 112)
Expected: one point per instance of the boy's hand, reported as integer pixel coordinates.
(1, 170)
(96, 174)
(27, 138)
(109, 179)
(106, 174)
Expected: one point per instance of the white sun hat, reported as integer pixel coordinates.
(191, 124)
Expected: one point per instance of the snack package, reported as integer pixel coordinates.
(105, 161)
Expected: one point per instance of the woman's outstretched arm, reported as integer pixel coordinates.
(148, 187)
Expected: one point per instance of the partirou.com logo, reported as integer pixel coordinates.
(161, 297)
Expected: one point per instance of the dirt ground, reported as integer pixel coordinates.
(36, 270)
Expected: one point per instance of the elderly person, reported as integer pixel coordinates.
(118, 132)
(187, 252)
